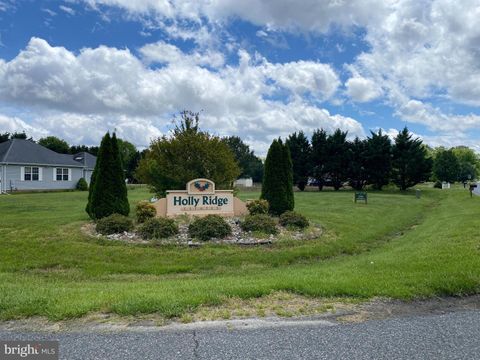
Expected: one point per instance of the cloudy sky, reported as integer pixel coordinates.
(254, 68)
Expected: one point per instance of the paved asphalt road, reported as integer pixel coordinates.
(448, 336)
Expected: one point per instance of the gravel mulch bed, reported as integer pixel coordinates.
(238, 236)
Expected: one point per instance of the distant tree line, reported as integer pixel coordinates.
(332, 160)
(456, 164)
(250, 165)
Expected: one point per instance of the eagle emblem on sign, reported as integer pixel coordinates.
(201, 187)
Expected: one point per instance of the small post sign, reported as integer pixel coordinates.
(472, 189)
(360, 196)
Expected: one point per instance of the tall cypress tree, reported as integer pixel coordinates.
(277, 185)
(121, 205)
(357, 174)
(105, 144)
(108, 192)
(410, 162)
(336, 165)
(378, 159)
(288, 174)
(301, 154)
(319, 155)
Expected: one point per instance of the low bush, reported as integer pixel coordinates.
(258, 207)
(114, 224)
(438, 184)
(293, 219)
(259, 222)
(208, 227)
(158, 228)
(144, 211)
(82, 185)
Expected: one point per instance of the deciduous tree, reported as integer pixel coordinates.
(446, 166)
(250, 165)
(190, 153)
(55, 144)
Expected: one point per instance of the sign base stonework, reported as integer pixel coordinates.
(200, 199)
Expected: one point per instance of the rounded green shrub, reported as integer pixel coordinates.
(144, 211)
(208, 227)
(293, 219)
(114, 224)
(259, 222)
(437, 184)
(158, 228)
(258, 207)
(82, 185)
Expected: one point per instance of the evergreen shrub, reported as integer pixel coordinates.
(260, 222)
(82, 185)
(208, 227)
(144, 211)
(293, 219)
(114, 224)
(258, 207)
(158, 228)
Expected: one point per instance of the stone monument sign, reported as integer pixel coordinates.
(200, 199)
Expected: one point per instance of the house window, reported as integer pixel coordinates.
(31, 173)
(62, 174)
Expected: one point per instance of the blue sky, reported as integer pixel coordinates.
(257, 69)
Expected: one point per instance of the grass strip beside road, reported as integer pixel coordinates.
(439, 254)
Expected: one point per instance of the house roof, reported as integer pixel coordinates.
(19, 151)
(86, 159)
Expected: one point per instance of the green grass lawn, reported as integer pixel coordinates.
(396, 246)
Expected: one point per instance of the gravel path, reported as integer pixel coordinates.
(454, 335)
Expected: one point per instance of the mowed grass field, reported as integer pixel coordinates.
(396, 246)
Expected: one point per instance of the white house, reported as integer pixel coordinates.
(245, 182)
(25, 165)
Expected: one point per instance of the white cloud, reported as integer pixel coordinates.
(308, 15)
(89, 129)
(14, 124)
(67, 9)
(49, 12)
(423, 52)
(418, 112)
(108, 80)
(302, 77)
(162, 52)
(418, 50)
(106, 88)
(362, 90)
